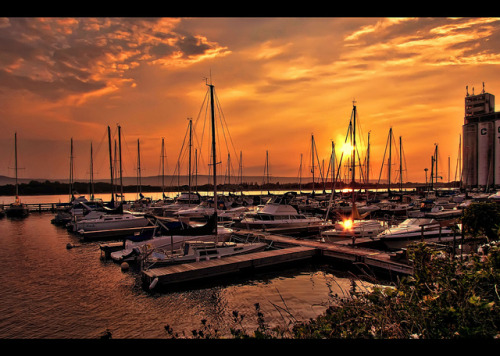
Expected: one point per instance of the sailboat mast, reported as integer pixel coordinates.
(214, 159)
(196, 169)
(120, 156)
(312, 160)
(436, 162)
(139, 181)
(163, 167)
(353, 142)
(390, 162)
(241, 172)
(71, 171)
(111, 163)
(333, 164)
(190, 145)
(91, 173)
(300, 174)
(400, 165)
(368, 160)
(267, 168)
(15, 163)
(229, 168)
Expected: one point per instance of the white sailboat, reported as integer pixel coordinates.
(195, 251)
(215, 244)
(135, 250)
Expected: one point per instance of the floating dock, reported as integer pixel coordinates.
(228, 265)
(289, 250)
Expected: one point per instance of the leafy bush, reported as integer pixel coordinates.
(482, 218)
(444, 299)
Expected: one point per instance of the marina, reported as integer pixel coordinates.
(53, 291)
(343, 181)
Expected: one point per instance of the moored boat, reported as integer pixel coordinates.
(418, 229)
(111, 221)
(195, 251)
(357, 228)
(17, 209)
(277, 213)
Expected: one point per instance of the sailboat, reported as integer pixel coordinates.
(17, 209)
(185, 200)
(111, 219)
(193, 250)
(353, 226)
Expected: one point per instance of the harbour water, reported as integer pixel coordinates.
(52, 292)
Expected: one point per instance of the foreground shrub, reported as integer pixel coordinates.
(444, 298)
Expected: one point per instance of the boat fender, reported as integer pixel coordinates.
(124, 266)
(69, 246)
(153, 283)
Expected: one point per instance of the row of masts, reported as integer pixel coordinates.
(334, 165)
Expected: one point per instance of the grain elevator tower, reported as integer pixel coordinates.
(481, 141)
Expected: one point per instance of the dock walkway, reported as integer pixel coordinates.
(342, 250)
(289, 250)
(228, 265)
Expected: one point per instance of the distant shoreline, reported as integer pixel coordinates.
(56, 188)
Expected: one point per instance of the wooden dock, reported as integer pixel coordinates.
(228, 265)
(343, 250)
(289, 250)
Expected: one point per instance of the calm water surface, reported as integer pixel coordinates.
(49, 291)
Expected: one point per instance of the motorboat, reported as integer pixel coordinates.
(106, 221)
(195, 251)
(182, 201)
(357, 228)
(277, 213)
(206, 209)
(418, 229)
(432, 209)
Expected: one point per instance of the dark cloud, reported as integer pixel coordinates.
(57, 56)
(191, 46)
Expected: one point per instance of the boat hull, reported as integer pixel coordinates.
(400, 241)
(205, 254)
(17, 211)
(111, 225)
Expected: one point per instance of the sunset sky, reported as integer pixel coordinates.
(278, 81)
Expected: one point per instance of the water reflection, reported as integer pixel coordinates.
(49, 291)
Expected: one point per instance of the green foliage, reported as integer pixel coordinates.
(482, 218)
(445, 298)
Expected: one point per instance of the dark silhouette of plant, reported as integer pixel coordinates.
(482, 218)
(445, 298)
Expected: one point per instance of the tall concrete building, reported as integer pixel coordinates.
(481, 141)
